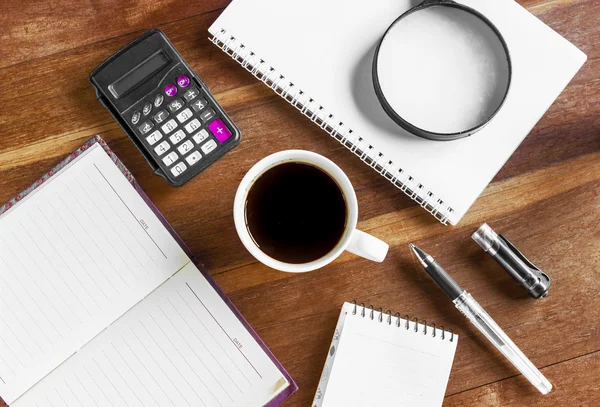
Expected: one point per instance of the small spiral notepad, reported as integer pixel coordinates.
(381, 359)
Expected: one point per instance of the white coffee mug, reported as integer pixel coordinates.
(353, 240)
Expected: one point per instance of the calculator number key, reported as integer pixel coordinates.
(145, 127)
(169, 126)
(170, 158)
(191, 94)
(177, 137)
(199, 105)
(184, 116)
(175, 105)
(186, 147)
(200, 136)
(178, 169)
(161, 116)
(193, 125)
(209, 146)
(193, 158)
(154, 137)
(162, 148)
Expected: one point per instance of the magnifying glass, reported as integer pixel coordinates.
(442, 70)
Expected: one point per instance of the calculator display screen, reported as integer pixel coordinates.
(132, 78)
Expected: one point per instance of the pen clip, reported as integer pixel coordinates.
(534, 269)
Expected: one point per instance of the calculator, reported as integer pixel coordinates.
(164, 107)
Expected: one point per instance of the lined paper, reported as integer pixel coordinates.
(181, 346)
(75, 255)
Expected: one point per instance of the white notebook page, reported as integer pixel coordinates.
(326, 47)
(181, 346)
(375, 363)
(75, 255)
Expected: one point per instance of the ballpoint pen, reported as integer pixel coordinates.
(478, 317)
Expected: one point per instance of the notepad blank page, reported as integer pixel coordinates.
(381, 364)
(181, 346)
(75, 255)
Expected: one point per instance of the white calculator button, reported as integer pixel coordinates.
(169, 126)
(162, 148)
(200, 136)
(209, 146)
(193, 158)
(186, 147)
(177, 136)
(154, 137)
(170, 158)
(185, 115)
(193, 125)
(178, 169)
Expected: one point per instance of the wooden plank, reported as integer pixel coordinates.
(32, 30)
(576, 383)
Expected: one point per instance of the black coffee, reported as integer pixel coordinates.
(296, 213)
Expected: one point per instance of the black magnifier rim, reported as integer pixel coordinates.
(411, 127)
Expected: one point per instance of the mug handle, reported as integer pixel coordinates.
(364, 245)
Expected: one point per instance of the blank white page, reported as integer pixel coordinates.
(379, 364)
(181, 346)
(326, 47)
(75, 254)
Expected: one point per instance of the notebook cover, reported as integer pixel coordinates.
(281, 397)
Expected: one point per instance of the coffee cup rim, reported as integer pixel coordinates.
(303, 156)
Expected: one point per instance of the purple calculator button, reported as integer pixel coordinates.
(183, 81)
(219, 129)
(170, 90)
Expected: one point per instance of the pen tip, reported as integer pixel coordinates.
(423, 257)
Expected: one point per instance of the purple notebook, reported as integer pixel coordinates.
(286, 384)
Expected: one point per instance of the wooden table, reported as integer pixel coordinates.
(546, 198)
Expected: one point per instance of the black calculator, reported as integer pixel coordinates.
(164, 107)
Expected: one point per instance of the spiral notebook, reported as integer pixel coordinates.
(380, 359)
(101, 303)
(317, 54)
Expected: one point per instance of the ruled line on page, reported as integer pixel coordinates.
(185, 359)
(130, 211)
(123, 221)
(204, 345)
(145, 368)
(223, 329)
(123, 378)
(177, 369)
(195, 353)
(50, 241)
(99, 229)
(73, 216)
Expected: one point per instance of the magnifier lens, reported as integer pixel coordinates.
(443, 70)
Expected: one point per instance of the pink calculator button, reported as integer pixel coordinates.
(170, 90)
(183, 81)
(219, 129)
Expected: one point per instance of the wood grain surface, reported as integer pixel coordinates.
(546, 199)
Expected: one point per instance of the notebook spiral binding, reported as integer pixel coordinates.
(335, 128)
(369, 312)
